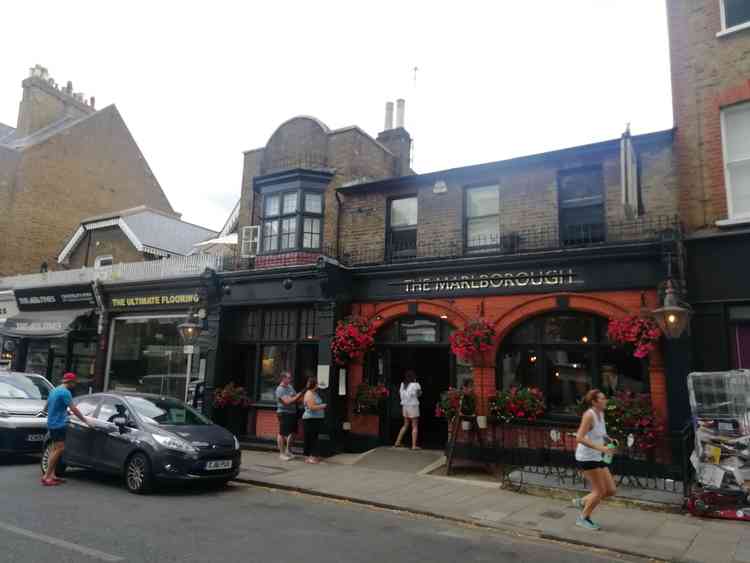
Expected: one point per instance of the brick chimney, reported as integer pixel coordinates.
(397, 139)
(44, 102)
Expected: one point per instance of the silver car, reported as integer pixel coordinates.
(23, 412)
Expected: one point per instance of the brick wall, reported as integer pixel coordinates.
(102, 242)
(708, 73)
(92, 168)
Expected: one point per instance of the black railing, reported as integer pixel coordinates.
(512, 241)
(547, 450)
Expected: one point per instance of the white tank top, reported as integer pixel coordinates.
(595, 436)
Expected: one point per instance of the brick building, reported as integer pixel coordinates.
(64, 161)
(709, 42)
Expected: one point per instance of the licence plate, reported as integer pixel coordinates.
(221, 464)
(35, 437)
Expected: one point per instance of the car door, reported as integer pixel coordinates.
(79, 439)
(112, 444)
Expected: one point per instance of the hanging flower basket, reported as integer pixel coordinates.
(474, 339)
(353, 338)
(640, 333)
(231, 395)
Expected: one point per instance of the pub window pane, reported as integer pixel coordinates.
(274, 359)
(271, 235)
(313, 203)
(289, 233)
(418, 330)
(290, 203)
(483, 232)
(621, 371)
(311, 238)
(736, 12)
(272, 205)
(570, 329)
(581, 206)
(308, 323)
(483, 201)
(404, 212)
(568, 378)
(521, 367)
(279, 324)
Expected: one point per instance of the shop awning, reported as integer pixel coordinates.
(42, 324)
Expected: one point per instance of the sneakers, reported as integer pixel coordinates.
(50, 482)
(286, 457)
(587, 524)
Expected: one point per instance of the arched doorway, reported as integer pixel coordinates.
(566, 353)
(419, 343)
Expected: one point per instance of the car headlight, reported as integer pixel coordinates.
(236, 443)
(174, 443)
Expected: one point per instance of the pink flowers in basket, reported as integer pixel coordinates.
(642, 333)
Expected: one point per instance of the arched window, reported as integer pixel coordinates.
(415, 330)
(565, 354)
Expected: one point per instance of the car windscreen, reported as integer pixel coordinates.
(19, 386)
(164, 411)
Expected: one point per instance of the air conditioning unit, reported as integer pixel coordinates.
(250, 241)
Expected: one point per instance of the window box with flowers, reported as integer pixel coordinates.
(353, 338)
(370, 398)
(231, 403)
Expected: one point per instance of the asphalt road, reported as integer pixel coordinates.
(93, 519)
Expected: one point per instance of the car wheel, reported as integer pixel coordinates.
(59, 470)
(138, 478)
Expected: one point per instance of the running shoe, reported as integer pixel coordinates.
(587, 524)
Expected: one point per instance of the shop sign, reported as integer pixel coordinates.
(155, 300)
(492, 281)
(51, 298)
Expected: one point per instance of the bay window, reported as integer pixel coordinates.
(292, 220)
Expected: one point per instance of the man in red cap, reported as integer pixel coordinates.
(58, 403)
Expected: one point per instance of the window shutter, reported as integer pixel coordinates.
(250, 239)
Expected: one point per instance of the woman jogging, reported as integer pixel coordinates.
(592, 439)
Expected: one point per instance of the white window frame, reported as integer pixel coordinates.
(732, 216)
(99, 259)
(729, 30)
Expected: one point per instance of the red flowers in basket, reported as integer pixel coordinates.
(353, 338)
(640, 332)
(476, 337)
(231, 395)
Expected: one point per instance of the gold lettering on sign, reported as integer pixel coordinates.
(156, 300)
(482, 281)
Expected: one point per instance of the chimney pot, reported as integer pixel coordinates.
(388, 116)
(400, 108)
(69, 88)
(93, 102)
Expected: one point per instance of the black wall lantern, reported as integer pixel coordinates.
(673, 317)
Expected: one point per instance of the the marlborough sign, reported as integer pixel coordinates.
(155, 300)
(550, 278)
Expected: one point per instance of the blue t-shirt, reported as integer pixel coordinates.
(57, 407)
(285, 391)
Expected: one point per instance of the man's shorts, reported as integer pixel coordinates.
(57, 434)
(287, 423)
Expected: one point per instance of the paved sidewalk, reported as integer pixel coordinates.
(673, 537)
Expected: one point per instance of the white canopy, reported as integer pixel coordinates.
(228, 239)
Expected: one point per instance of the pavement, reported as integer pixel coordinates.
(628, 531)
(91, 519)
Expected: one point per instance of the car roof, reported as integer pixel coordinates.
(6, 373)
(129, 394)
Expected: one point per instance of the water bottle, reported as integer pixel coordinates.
(608, 457)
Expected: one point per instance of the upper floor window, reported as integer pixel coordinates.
(735, 13)
(482, 216)
(292, 220)
(581, 197)
(736, 139)
(101, 261)
(402, 227)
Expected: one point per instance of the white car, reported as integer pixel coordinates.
(23, 412)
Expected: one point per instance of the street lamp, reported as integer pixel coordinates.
(189, 331)
(673, 316)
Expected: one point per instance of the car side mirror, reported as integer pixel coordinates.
(121, 422)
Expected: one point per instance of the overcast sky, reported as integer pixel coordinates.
(200, 82)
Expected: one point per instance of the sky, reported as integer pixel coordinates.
(198, 83)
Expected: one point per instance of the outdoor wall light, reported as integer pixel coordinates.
(189, 330)
(673, 316)
(444, 317)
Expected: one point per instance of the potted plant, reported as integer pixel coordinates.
(354, 336)
(636, 332)
(453, 403)
(468, 403)
(473, 340)
(369, 397)
(233, 400)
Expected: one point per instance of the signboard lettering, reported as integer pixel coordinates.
(155, 300)
(551, 278)
(49, 298)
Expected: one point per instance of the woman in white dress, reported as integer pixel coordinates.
(410, 392)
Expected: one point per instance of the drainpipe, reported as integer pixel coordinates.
(101, 331)
(338, 225)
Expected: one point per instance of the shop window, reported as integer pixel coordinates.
(736, 139)
(282, 217)
(402, 228)
(415, 330)
(581, 198)
(275, 358)
(280, 324)
(482, 217)
(566, 355)
(735, 13)
(308, 323)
